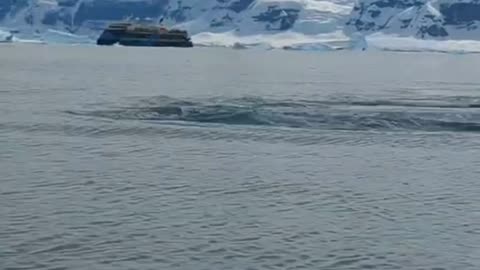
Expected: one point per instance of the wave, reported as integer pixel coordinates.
(452, 114)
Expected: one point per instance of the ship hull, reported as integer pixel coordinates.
(143, 36)
(156, 43)
(147, 43)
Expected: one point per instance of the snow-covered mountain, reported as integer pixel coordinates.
(426, 19)
(282, 22)
(245, 17)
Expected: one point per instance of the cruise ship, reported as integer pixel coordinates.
(133, 34)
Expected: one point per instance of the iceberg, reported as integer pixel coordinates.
(5, 36)
(9, 37)
(310, 47)
(60, 37)
(410, 44)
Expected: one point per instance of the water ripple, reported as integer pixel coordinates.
(460, 114)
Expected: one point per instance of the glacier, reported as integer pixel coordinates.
(319, 25)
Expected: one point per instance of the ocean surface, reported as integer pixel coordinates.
(146, 158)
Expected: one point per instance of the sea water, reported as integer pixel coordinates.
(147, 158)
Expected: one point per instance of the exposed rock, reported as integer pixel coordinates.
(119, 10)
(285, 16)
(460, 13)
(240, 5)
